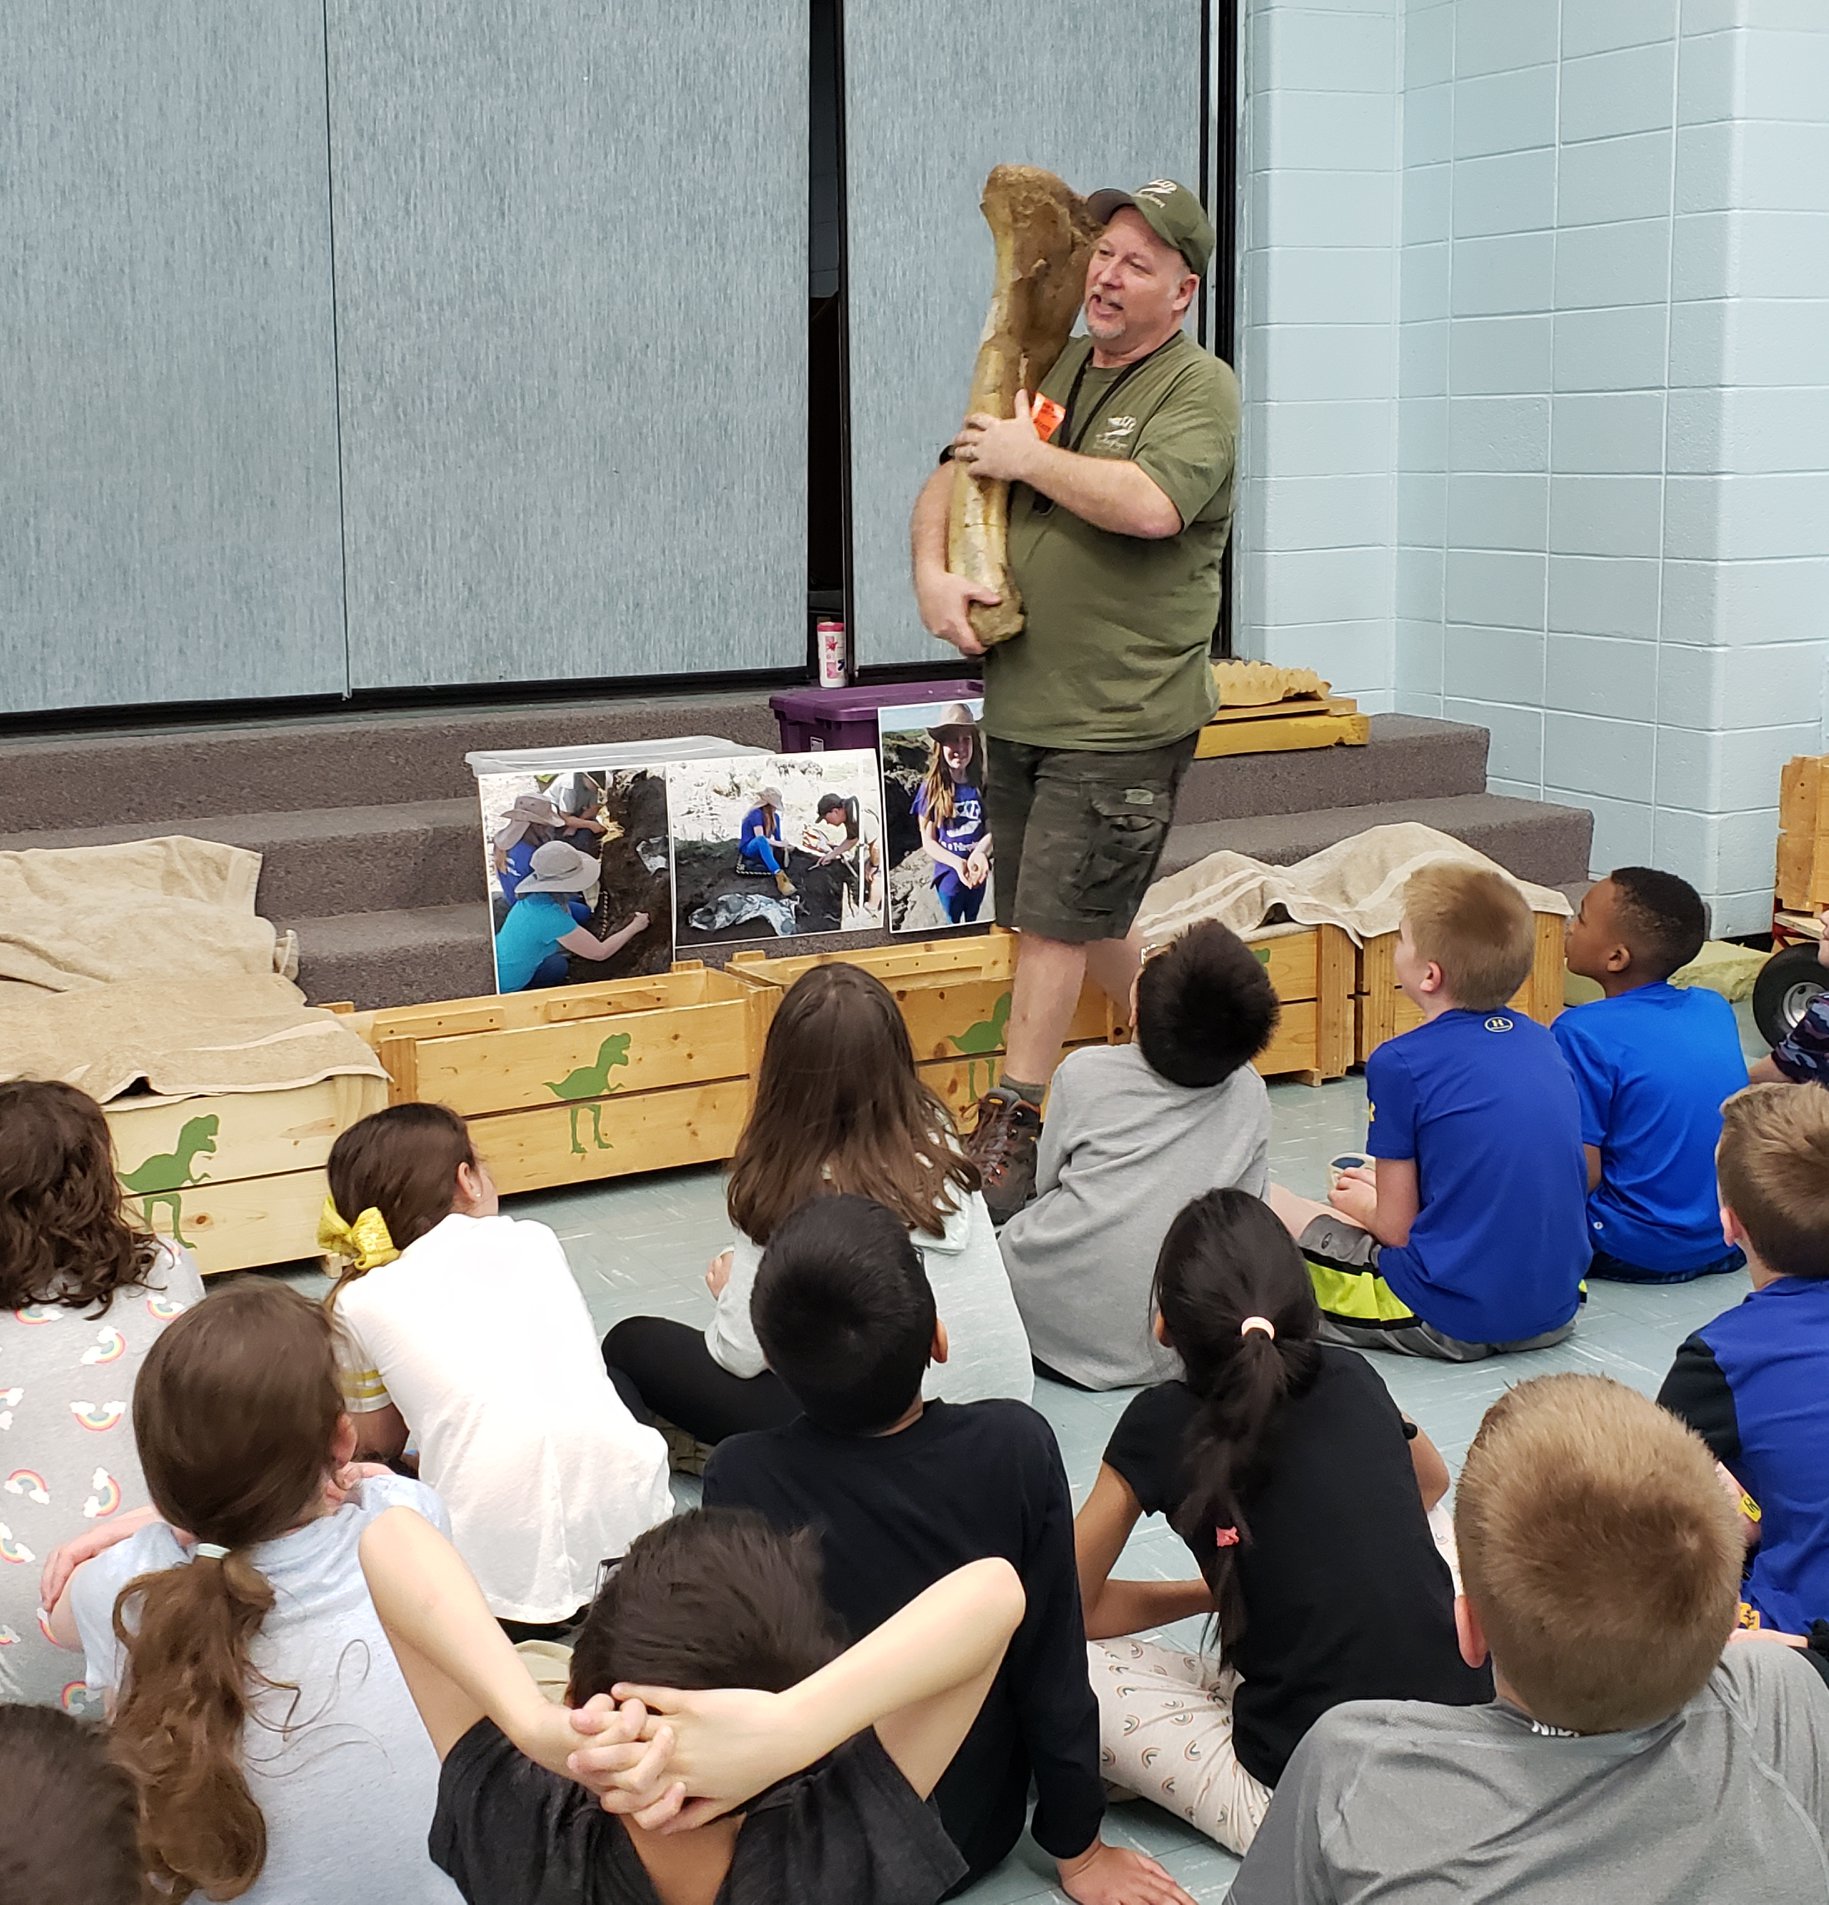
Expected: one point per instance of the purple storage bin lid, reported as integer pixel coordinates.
(854, 704)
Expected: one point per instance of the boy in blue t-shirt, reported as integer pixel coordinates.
(1469, 1235)
(1653, 1064)
(1754, 1383)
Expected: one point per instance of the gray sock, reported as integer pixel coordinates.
(1015, 1088)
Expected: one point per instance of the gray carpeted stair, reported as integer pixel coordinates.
(372, 852)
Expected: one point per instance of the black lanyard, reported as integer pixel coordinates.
(1044, 505)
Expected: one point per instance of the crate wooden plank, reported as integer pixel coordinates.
(1286, 735)
(586, 1058)
(1382, 1011)
(1295, 1044)
(237, 1134)
(1802, 882)
(689, 983)
(612, 1137)
(960, 1082)
(248, 1222)
(989, 955)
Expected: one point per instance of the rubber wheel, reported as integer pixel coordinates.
(1787, 982)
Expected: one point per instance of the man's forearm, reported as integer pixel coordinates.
(927, 528)
(1105, 491)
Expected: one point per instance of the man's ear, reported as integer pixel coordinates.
(940, 1347)
(1190, 285)
(1470, 1633)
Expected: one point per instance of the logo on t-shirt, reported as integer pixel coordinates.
(1499, 1023)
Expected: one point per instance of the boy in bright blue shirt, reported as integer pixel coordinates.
(1754, 1383)
(1469, 1235)
(1653, 1064)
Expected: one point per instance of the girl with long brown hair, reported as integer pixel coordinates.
(467, 1329)
(949, 805)
(84, 1293)
(257, 1705)
(839, 1108)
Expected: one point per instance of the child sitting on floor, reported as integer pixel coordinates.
(900, 1492)
(1754, 1383)
(466, 1330)
(1133, 1132)
(1626, 1756)
(67, 1814)
(839, 1107)
(1470, 1233)
(255, 1702)
(1294, 1481)
(84, 1294)
(842, 1752)
(1652, 1063)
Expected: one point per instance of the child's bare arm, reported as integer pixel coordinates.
(1431, 1470)
(1100, 1531)
(1592, 1153)
(458, 1664)
(1384, 1200)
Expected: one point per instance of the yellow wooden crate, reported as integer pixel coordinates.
(1312, 972)
(1803, 834)
(584, 1082)
(1382, 1011)
(237, 1177)
(954, 996)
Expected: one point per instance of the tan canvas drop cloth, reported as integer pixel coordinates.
(146, 961)
(1356, 884)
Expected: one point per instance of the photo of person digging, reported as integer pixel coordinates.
(549, 923)
(1117, 470)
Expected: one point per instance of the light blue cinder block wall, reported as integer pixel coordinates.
(1609, 327)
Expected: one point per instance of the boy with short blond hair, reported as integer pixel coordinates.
(1754, 1383)
(1469, 1235)
(1625, 1748)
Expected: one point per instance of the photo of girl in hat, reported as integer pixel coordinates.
(550, 919)
(940, 848)
(532, 821)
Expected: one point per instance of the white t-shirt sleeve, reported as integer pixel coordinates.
(730, 1336)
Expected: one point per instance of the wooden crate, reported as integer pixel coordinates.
(954, 995)
(1381, 1011)
(584, 1082)
(1803, 834)
(237, 1177)
(1311, 969)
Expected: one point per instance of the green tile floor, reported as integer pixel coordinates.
(642, 1246)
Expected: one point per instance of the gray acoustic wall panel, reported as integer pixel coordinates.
(936, 93)
(168, 476)
(571, 265)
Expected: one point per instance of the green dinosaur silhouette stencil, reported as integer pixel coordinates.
(165, 1178)
(1263, 955)
(980, 1041)
(592, 1081)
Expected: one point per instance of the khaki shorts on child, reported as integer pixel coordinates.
(1360, 1309)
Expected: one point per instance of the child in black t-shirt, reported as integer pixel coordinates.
(1283, 1465)
(842, 1751)
(901, 1492)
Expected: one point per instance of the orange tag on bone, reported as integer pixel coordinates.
(1046, 415)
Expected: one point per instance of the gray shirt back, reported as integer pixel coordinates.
(1729, 1799)
(1122, 1150)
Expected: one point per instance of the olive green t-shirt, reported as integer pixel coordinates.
(1113, 654)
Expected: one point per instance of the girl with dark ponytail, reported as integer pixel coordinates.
(256, 1703)
(1302, 1495)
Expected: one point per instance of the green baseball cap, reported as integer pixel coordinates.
(1171, 211)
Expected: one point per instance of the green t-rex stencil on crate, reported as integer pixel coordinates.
(591, 1082)
(164, 1179)
(979, 1042)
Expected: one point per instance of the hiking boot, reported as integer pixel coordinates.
(1002, 1145)
(785, 887)
(686, 1454)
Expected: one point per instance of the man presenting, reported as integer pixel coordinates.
(1122, 491)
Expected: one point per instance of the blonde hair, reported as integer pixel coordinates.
(1474, 924)
(1773, 1168)
(1599, 1552)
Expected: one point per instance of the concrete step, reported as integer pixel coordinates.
(145, 781)
(1538, 842)
(398, 956)
(331, 860)
(1406, 758)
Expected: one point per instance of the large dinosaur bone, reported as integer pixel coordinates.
(1044, 235)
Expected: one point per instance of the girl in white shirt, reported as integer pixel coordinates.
(465, 1330)
(839, 1108)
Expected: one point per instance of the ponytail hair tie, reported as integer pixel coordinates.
(1225, 1537)
(366, 1243)
(1258, 1324)
(210, 1551)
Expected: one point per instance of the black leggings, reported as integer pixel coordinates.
(678, 1380)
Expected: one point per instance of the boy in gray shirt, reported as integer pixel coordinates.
(1627, 1754)
(1133, 1133)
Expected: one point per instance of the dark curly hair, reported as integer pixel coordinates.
(64, 1233)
